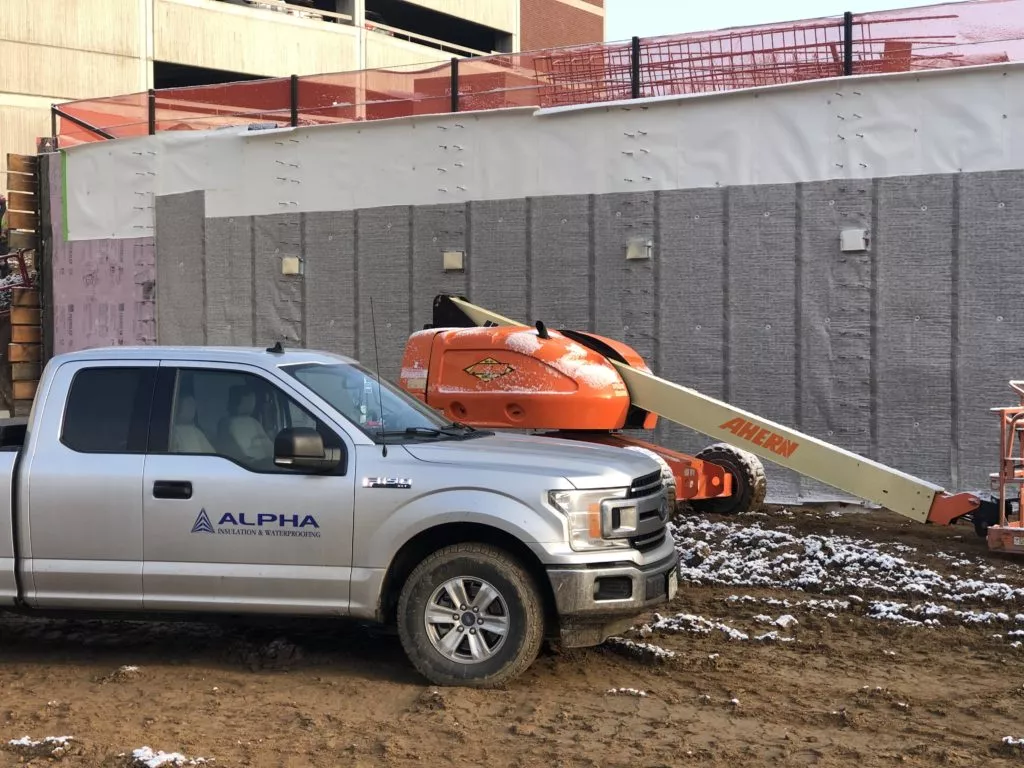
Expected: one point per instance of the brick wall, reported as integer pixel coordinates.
(552, 23)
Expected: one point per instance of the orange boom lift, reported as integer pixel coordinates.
(486, 370)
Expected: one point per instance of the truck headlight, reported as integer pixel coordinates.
(593, 523)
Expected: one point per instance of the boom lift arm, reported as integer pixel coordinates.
(890, 488)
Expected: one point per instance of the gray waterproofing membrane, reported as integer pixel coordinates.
(896, 353)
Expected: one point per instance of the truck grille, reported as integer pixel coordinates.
(648, 541)
(645, 486)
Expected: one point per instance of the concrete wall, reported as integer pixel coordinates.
(65, 50)
(896, 353)
(57, 50)
(497, 14)
(242, 39)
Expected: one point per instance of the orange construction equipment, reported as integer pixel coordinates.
(486, 370)
(508, 377)
(1008, 536)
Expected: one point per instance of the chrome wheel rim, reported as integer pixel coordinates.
(466, 620)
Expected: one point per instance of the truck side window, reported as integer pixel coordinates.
(234, 415)
(108, 410)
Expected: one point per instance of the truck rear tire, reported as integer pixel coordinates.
(748, 481)
(470, 615)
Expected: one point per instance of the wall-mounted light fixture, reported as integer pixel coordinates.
(639, 248)
(854, 240)
(291, 265)
(454, 261)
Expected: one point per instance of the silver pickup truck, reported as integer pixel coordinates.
(199, 480)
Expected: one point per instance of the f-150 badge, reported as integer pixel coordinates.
(489, 369)
(387, 482)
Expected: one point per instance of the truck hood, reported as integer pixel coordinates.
(582, 464)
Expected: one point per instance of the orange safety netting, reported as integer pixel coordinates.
(951, 35)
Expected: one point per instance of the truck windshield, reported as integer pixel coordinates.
(352, 391)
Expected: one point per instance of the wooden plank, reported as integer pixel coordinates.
(22, 201)
(25, 297)
(24, 390)
(25, 316)
(22, 241)
(22, 163)
(26, 371)
(23, 353)
(23, 220)
(26, 334)
(22, 182)
(21, 408)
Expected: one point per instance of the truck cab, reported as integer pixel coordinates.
(251, 481)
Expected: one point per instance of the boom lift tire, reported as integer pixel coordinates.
(748, 481)
(987, 515)
(492, 582)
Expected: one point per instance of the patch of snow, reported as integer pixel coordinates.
(574, 365)
(144, 756)
(773, 636)
(786, 621)
(626, 692)
(749, 555)
(56, 746)
(27, 741)
(1013, 742)
(811, 604)
(641, 649)
(479, 330)
(688, 622)
(523, 342)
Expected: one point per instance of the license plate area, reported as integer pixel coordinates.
(662, 585)
(655, 588)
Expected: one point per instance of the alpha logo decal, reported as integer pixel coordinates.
(262, 524)
(748, 430)
(202, 524)
(489, 369)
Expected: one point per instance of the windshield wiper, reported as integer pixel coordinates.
(422, 432)
(452, 430)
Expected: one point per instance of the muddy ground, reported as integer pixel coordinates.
(897, 647)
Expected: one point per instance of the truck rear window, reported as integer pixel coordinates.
(108, 410)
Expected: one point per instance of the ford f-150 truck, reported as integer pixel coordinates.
(241, 481)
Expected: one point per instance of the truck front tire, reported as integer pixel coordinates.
(470, 615)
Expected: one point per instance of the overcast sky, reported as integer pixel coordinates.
(665, 17)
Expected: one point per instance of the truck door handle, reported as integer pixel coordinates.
(172, 489)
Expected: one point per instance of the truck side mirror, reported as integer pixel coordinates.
(303, 448)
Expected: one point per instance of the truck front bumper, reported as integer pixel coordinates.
(600, 600)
